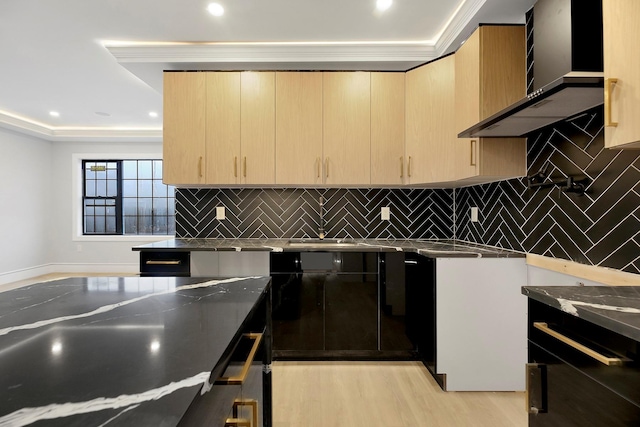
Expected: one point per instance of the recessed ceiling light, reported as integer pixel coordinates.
(383, 4)
(102, 113)
(153, 114)
(54, 114)
(215, 9)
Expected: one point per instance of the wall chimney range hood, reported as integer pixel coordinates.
(567, 69)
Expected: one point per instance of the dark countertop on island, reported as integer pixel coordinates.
(616, 308)
(115, 350)
(429, 248)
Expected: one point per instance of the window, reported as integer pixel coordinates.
(126, 197)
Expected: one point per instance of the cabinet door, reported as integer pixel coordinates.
(298, 312)
(387, 128)
(490, 75)
(223, 127)
(467, 103)
(351, 309)
(621, 41)
(298, 128)
(431, 138)
(569, 397)
(257, 127)
(347, 128)
(183, 128)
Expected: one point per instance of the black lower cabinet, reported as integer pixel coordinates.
(565, 386)
(241, 393)
(394, 301)
(327, 305)
(421, 309)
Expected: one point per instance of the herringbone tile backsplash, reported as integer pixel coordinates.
(293, 213)
(601, 227)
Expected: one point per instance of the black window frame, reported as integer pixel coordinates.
(118, 200)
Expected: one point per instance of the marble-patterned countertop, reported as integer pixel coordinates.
(616, 308)
(115, 351)
(429, 248)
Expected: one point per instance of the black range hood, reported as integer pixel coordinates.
(563, 98)
(567, 70)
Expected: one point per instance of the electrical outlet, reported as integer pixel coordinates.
(220, 215)
(385, 214)
(474, 214)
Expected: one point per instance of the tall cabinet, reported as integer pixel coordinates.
(222, 128)
(490, 75)
(621, 37)
(299, 128)
(431, 137)
(346, 128)
(387, 129)
(183, 131)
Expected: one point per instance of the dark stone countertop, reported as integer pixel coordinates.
(616, 308)
(429, 248)
(115, 351)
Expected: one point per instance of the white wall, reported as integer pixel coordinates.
(25, 201)
(39, 192)
(72, 252)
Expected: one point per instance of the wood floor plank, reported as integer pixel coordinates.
(385, 394)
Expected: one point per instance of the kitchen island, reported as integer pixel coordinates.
(123, 350)
(584, 344)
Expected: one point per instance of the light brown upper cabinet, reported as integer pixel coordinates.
(431, 137)
(621, 36)
(183, 129)
(299, 128)
(223, 128)
(387, 128)
(489, 76)
(257, 127)
(346, 128)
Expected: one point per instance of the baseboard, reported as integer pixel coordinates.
(40, 270)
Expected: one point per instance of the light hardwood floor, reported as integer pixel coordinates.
(370, 394)
(384, 394)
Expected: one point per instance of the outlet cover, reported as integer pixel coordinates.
(220, 215)
(385, 214)
(474, 214)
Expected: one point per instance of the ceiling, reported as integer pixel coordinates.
(99, 63)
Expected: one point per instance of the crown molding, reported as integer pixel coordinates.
(211, 53)
(89, 134)
(467, 10)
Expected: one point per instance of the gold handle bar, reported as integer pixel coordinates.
(167, 262)
(239, 379)
(608, 87)
(609, 361)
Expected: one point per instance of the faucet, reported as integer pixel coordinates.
(321, 228)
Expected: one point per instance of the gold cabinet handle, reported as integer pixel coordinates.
(318, 162)
(163, 262)
(401, 167)
(235, 166)
(536, 373)
(244, 167)
(200, 167)
(608, 88)
(409, 168)
(609, 361)
(472, 157)
(235, 421)
(239, 379)
(326, 168)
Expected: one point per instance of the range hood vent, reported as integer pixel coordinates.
(567, 70)
(564, 98)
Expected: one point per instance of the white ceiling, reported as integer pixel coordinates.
(82, 57)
